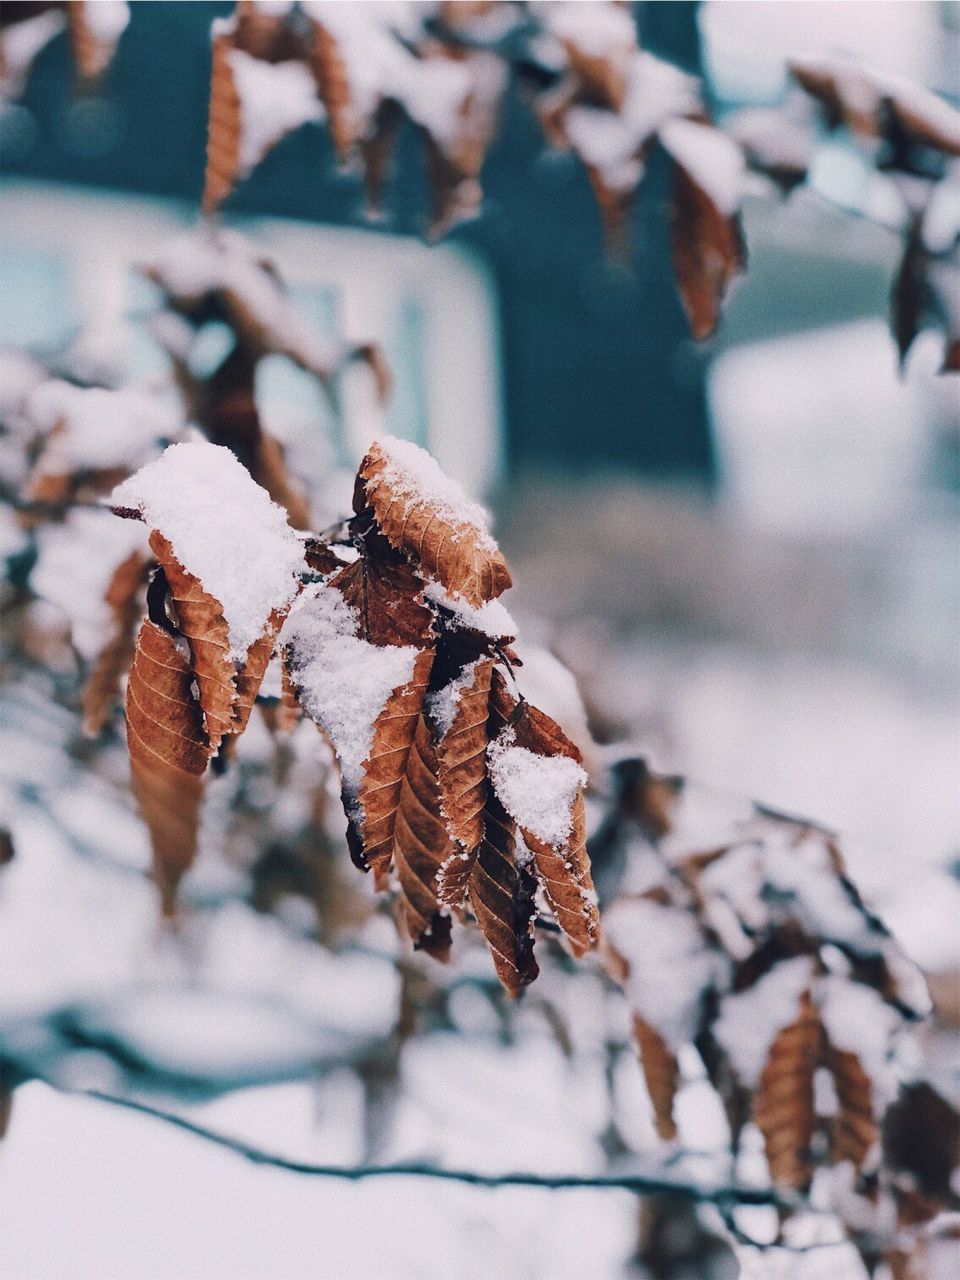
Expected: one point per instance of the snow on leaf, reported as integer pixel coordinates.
(95, 30)
(223, 530)
(427, 516)
(343, 682)
(707, 244)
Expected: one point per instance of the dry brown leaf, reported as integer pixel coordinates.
(421, 845)
(502, 898)
(224, 128)
(387, 594)
(783, 1104)
(386, 765)
(708, 252)
(661, 1072)
(854, 1130)
(462, 760)
(333, 85)
(564, 871)
(452, 549)
(103, 682)
(200, 619)
(92, 52)
(168, 753)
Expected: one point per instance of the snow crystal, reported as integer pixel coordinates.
(224, 530)
(101, 428)
(750, 1020)
(537, 791)
(657, 90)
(442, 705)
(344, 681)
(275, 99)
(192, 265)
(76, 561)
(491, 619)
(414, 476)
(671, 965)
(714, 163)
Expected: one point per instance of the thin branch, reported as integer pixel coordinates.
(638, 1183)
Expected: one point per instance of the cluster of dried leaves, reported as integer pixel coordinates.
(396, 649)
(905, 134)
(446, 69)
(757, 950)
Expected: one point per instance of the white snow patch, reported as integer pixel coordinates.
(537, 791)
(750, 1020)
(99, 428)
(275, 99)
(859, 1021)
(224, 529)
(442, 704)
(107, 19)
(190, 266)
(344, 681)
(492, 618)
(21, 43)
(77, 559)
(712, 160)
(670, 965)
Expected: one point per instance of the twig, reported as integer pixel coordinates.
(638, 1183)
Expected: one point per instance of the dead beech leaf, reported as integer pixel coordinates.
(462, 760)
(333, 85)
(502, 898)
(854, 1129)
(387, 594)
(661, 1073)
(385, 767)
(440, 537)
(224, 128)
(103, 682)
(92, 49)
(421, 845)
(200, 619)
(783, 1104)
(563, 868)
(169, 751)
(708, 252)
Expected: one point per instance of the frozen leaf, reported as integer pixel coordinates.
(460, 710)
(707, 244)
(502, 897)
(168, 753)
(854, 1128)
(387, 595)
(783, 1104)
(26, 31)
(103, 682)
(427, 516)
(421, 846)
(95, 30)
(385, 767)
(661, 1073)
(537, 775)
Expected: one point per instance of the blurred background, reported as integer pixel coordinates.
(745, 550)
